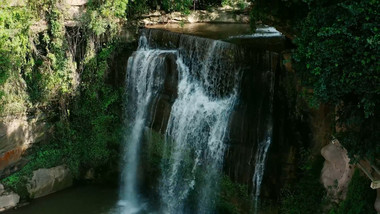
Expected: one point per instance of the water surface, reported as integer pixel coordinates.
(89, 199)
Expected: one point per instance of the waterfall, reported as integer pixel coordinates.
(206, 77)
(143, 83)
(263, 147)
(197, 127)
(195, 134)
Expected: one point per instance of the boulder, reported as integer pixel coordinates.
(8, 201)
(47, 181)
(337, 171)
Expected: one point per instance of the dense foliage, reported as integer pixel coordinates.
(84, 117)
(337, 58)
(336, 61)
(14, 48)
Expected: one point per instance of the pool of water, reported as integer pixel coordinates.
(212, 31)
(89, 199)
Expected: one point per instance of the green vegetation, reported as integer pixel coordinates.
(85, 117)
(92, 133)
(41, 73)
(336, 60)
(336, 63)
(337, 56)
(360, 198)
(233, 197)
(14, 48)
(307, 195)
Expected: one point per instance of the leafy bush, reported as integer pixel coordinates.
(360, 197)
(14, 48)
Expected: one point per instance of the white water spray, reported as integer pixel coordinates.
(196, 132)
(143, 83)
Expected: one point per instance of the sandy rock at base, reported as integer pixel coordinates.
(337, 171)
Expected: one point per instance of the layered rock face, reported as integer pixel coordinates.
(17, 135)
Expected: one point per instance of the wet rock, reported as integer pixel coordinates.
(337, 171)
(47, 181)
(377, 202)
(161, 107)
(8, 201)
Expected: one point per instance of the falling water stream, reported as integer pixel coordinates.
(262, 149)
(209, 75)
(207, 92)
(142, 87)
(197, 128)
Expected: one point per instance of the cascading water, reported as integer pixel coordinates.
(196, 132)
(142, 85)
(197, 127)
(262, 149)
(207, 88)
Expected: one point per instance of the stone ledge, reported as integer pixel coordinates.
(198, 16)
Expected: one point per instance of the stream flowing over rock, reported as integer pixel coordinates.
(211, 103)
